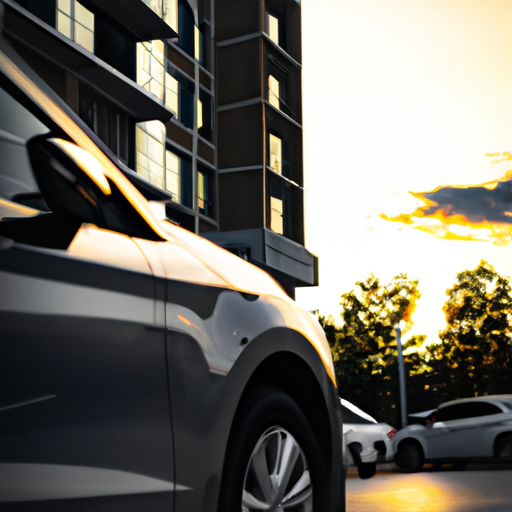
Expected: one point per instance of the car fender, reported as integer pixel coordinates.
(412, 432)
(204, 404)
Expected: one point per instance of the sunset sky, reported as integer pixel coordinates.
(405, 96)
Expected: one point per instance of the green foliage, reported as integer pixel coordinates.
(364, 346)
(475, 354)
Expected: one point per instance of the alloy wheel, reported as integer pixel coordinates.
(277, 476)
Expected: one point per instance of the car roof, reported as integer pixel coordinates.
(499, 400)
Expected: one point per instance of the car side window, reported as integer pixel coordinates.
(19, 193)
(471, 409)
(46, 193)
(24, 214)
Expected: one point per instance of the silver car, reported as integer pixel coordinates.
(368, 442)
(461, 430)
(141, 366)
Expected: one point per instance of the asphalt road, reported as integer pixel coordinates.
(476, 488)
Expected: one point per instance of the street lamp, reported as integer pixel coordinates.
(401, 374)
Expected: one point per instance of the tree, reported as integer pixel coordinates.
(364, 346)
(475, 354)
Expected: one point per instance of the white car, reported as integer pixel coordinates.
(461, 430)
(368, 442)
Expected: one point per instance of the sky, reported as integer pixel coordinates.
(404, 96)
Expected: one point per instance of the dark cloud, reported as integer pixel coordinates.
(477, 204)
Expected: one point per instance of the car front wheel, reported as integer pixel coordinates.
(409, 457)
(274, 462)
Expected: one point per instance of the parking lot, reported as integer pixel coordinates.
(476, 488)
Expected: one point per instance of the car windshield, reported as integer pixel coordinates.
(352, 414)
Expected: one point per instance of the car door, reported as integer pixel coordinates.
(460, 433)
(84, 405)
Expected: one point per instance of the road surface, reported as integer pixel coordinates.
(476, 488)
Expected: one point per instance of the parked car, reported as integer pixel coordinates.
(461, 430)
(142, 367)
(368, 442)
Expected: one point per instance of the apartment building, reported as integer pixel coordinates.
(201, 99)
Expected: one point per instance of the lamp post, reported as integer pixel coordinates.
(401, 375)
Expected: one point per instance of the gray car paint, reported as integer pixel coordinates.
(100, 379)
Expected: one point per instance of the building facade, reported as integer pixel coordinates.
(200, 102)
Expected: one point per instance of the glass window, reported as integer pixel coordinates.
(150, 67)
(151, 152)
(166, 9)
(76, 22)
(350, 416)
(276, 215)
(204, 193)
(276, 153)
(274, 93)
(170, 13)
(184, 97)
(199, 114)
(205, 121)
(279, 205)
(178, 177)
(171, 93)
(465, 410)
(273, 27)
(17, 183)
(172, 175)
(186, 28)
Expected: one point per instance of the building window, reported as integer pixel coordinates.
(186, 28)
(274, 92)
(280, 202)
(167, 10)
(76, 22)
(204, 125)
(273, 27)
(151, 152)
(171, 93)
(150, 67)
(184, 97)
(204, 193)
(276, 153)
(199, 114)
(172, 175)
(198, 45)
(178, 177)
(276, 215)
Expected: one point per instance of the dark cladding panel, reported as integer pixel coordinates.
(297, 214)
(206, 151)
(241, 200)
(179, 134)
(240, 137)
(236, 18)
(238, 72)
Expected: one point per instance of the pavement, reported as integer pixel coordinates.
(476, 488)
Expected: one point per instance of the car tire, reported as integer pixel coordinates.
(504, 447)
(409, 457)
(366, 470)
(273, 460)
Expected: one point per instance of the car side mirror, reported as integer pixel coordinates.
(71, 180)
